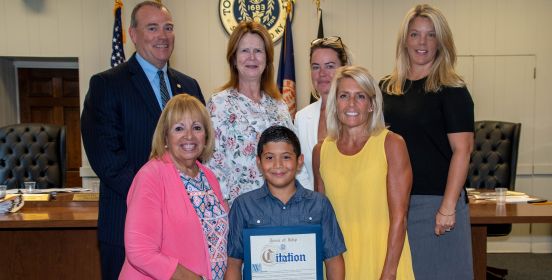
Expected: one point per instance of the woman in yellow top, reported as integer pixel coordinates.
(365, 171)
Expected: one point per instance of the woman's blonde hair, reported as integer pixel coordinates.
(179, 107)
(442, 71)
(367, 83)
(268, 85)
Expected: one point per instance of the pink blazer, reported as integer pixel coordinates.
(162, 228)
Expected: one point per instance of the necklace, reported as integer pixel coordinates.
(195, 180)
(191, 172)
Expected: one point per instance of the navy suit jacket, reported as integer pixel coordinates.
(117, 124)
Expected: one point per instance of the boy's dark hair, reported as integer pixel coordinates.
(278, 133)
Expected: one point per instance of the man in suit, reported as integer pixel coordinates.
(119, 116)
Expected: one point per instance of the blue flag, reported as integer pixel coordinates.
(286, 69)
(117, 53)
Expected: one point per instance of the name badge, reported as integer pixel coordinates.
(283, 252)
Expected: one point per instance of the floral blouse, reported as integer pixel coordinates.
(238, 124)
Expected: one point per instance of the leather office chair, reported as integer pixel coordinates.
(493, 164)
(32, 152)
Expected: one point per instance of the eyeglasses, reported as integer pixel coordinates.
(331, 39)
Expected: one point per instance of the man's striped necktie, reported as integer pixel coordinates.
(163, 88)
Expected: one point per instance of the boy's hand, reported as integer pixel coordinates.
(234, 270)
(335, 268)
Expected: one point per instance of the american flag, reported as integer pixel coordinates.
(117, 53)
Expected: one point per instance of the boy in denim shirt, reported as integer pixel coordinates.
(282, 201)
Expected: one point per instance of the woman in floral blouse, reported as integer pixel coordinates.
(248, 104)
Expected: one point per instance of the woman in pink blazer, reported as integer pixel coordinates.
(176, 225)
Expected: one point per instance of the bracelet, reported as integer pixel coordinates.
(441, 213)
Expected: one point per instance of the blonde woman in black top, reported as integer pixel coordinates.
(428, 104)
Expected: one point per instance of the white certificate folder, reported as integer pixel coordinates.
(283, 253)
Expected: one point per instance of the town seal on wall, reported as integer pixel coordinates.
(270, 13)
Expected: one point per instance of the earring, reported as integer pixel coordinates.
(166, 147)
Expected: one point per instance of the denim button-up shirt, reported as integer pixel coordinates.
(259, 208)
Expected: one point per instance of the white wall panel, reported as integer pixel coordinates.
(542, 42)
(483, 88)
(515, 30)
(462, 26)
(503, 88)
(34, 27)
(514, 79)
(16, 28)
(46, 30)
(464, 66)
(70, 24)
(3, 27)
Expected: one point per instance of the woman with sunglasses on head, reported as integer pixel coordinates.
(326, 55)
(428, 104)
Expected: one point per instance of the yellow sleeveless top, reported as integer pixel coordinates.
(357, 188)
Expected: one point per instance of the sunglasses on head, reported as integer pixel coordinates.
(331, 39)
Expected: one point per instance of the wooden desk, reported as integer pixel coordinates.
(483, 213)
(50, 240)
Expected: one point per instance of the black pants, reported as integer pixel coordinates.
(112, 258)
